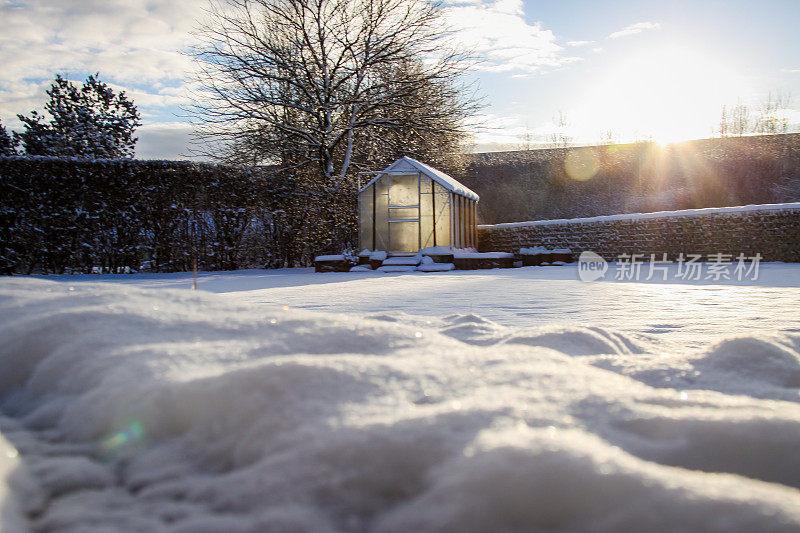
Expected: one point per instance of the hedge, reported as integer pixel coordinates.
(72, 215)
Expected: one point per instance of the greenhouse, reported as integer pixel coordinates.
(411, 206)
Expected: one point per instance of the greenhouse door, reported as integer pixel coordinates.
(404, 213)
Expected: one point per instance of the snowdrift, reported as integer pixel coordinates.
(133, 410)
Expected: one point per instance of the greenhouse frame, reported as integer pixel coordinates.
(410, 206)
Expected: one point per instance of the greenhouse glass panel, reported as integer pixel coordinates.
(366, 223)
(381, 185)
(404, 189)
(473, 224)
(464, 217)
(404, 236)
(455, 225)
(403, 213)
(382, 222)
(426, 218)
(442, 216)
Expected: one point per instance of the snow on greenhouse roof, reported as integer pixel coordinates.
(448, 182)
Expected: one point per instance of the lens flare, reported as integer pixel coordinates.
(582, 164)
(128, 435)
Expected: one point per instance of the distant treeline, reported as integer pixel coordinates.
(629, 178)
(73, 215)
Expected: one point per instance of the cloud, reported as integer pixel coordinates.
(482, 125)
(790, 70)
(499, 34)
(129, 40)
(163, 141)
(135, 46)
(496, 132)
(633, 29)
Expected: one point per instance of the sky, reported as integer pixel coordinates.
(549, 70)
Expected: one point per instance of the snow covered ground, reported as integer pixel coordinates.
(675, 314)
(503, 400)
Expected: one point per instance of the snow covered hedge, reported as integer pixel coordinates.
(71, 215)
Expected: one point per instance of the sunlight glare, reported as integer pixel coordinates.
(664, 94)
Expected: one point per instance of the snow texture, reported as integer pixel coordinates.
(397, 268)
(534, 250)
(438, 250)
(656, 214)
(435, 267)
(171, 410)
(412, 260)
(679, 313)
(483, 255)
(14, 479)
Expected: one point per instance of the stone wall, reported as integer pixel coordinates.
(634, 178)
(773, 230)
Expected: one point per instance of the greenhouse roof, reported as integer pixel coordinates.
(408, 164)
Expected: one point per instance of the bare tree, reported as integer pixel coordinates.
(724, 126)
(300, 83)
(739, 119)
(526, 139)
(772, 118)
(609, 136)
(559, 137)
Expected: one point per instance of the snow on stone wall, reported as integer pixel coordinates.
(772, 230)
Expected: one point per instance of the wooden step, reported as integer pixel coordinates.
(397, 268)
(398, 260)
(436, 267)
(480, 261)
(333, 263)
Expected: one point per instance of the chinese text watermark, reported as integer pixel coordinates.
(686, 267)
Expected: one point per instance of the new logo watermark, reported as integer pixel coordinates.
(591, 266)
(687, 267)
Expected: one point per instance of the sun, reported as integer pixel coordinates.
(666, 94)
